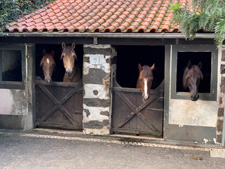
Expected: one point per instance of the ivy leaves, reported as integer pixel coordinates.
(12, 9)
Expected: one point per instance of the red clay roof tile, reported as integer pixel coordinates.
(100, 16)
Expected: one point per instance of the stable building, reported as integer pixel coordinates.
(112, 38)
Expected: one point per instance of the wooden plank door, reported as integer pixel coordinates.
(133, 115)
(59, 105)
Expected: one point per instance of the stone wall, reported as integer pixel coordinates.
(97, 68)
(221, 98)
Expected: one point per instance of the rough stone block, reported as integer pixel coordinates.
(219, 125)
(223, 55)
(220, 112)
(222, 69)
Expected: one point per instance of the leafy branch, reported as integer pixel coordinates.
(207, 15)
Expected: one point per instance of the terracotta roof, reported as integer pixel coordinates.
(100, 16)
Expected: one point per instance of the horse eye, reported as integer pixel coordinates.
(140, 80)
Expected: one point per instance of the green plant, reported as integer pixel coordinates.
(12, 9)
(208, 15)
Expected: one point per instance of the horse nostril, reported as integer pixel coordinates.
(48, 80)
(146, 97)
(194, 97)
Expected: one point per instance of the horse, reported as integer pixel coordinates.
(145, 79)
(48, 64)
(191, 79)
(72, 70)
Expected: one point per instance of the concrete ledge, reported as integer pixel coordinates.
(11, 122)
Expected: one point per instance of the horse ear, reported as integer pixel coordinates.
(153, 67)
(44, 52)
(73, 45)
(200, 65)
(140, 68)
(189, 64)
(63, 45)
(52, 52)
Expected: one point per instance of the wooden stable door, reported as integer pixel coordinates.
(132, 115)
(59, 105)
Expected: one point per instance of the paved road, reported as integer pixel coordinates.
(40, 150)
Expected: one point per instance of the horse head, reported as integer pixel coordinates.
(145, 79)
(191, 79)
(47, 63)
(69, 57)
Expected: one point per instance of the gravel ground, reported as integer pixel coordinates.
(37, 150)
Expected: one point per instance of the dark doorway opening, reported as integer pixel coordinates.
(59, 68)
(128, 58)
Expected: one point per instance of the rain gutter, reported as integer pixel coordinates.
(108, 35)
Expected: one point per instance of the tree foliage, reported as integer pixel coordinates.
(12, 9)
(207, 15)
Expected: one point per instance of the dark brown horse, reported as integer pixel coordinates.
(145, 79)
(47, 63)
(191, 79)
(72, 70)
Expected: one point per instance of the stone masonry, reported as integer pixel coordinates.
(97, 96)
(220, 118)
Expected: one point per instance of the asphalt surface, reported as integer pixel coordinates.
(40, 150)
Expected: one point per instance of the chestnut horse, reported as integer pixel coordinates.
(145, 79)
(48, 64)
(72, 70)
(191, 79)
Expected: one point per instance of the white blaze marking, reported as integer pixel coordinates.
(145, 89)
(47, 60)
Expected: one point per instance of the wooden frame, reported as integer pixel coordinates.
(173, 131)
(12, 84)
(68, 118)
(214, 68)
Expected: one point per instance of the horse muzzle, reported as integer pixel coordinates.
(194, 97)
(69, 74)
(48, 80)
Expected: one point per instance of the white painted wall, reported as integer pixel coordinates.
(198, 113)
(13, 102)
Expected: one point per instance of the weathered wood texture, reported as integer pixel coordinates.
(59, 105)
(133, 115)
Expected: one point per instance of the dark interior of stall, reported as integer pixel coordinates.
(128, 58)
(11, 65)
(59, 70)
(195, 57)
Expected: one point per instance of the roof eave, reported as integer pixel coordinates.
(108, 35)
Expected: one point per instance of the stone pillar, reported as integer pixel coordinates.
(97, 66)
(220, 118)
